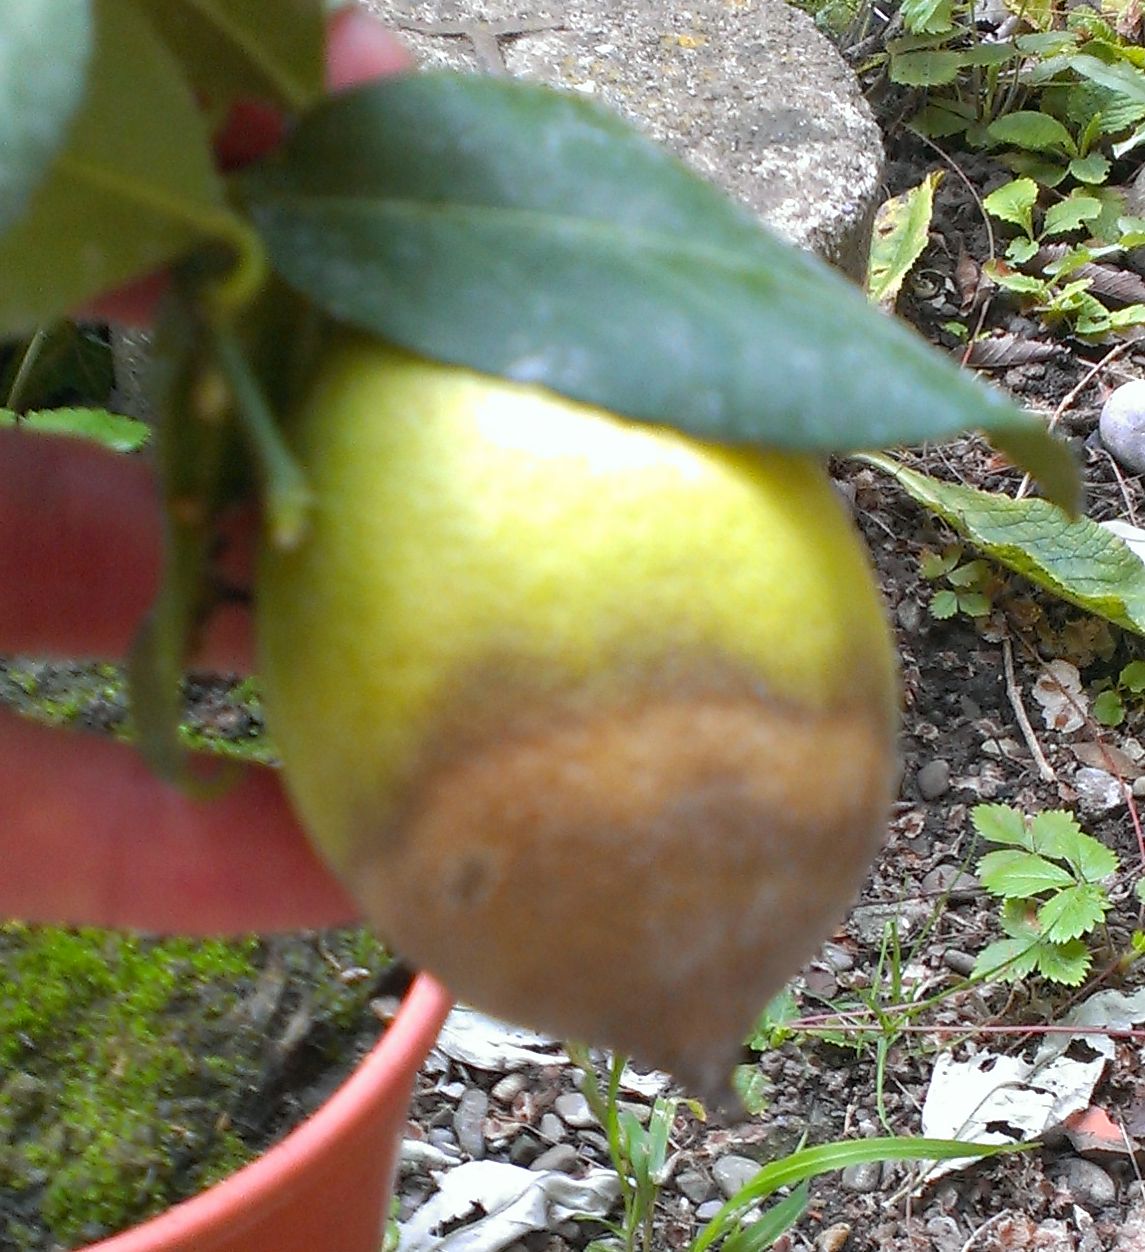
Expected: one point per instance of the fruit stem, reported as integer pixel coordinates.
(287, 494)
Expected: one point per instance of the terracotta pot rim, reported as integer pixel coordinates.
(395, 1058)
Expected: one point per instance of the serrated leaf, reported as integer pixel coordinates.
(927, 16)
(1014, 202)
(902, 228)
(1065, 963)
(1054, 832)
(932, 565)
(943, 605)
(1035, 131)
(1000, 823)
(1014, 874)
(1093, 168)
(1044, 172)
(133, 187)
(1122, 79)
(110, 430)
(925, 68)
(969, 574)
(229, 49)
(1078, 561)
(1070, 214)
(974, 604)
(1132, 677)
(45, 48)
(1007, 959)
(1021, 249)
(1073, 911)
(531, 234)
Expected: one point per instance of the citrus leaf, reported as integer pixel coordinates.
(109, 430)
(45, 47)
(133, 187)
(1014, 874)
(902, 227)
(1078, 561)
(999, 823)
(1036, 131)
(529, 233)
(1072, 912)
(229, 49)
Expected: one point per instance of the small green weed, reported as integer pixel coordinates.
(641, 1155)
(971, 585)
(1116, 696)
(1049, 876)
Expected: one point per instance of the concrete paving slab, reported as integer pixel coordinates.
(747, 91)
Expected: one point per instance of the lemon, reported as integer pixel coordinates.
(596, 721)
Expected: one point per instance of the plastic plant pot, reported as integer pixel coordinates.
(327, 1184)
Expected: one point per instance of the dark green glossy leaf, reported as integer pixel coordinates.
(530, 234)
(233, 48)
(44, 51)
(133, 187)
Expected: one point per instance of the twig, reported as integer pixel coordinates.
(1044, 767)
(981, 1230)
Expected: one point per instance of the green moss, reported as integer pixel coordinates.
(90, 1105)
(134, 1072)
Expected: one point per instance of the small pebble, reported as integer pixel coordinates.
(694, 1186)
(909, 615)
(573, 1110)
(948, 879)
(552, 1128)
(507, 1089)
(1097, 789)
(958, 962)
(708, 1210)
(442, 1137)
(469, 1122)
(561, 1157)
(731, 1172)
(834, 1238)
(838, 957)
(1122, 425)
(418, 1156)
(1088, 1183)
(525, 1149)
(863, 1177)
(933, 780)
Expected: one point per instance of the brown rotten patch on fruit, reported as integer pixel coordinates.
(646, 871)
(595, 721)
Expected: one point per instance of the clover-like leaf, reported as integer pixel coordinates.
(1011, 873)
(1001, 823)
(1073, 911)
